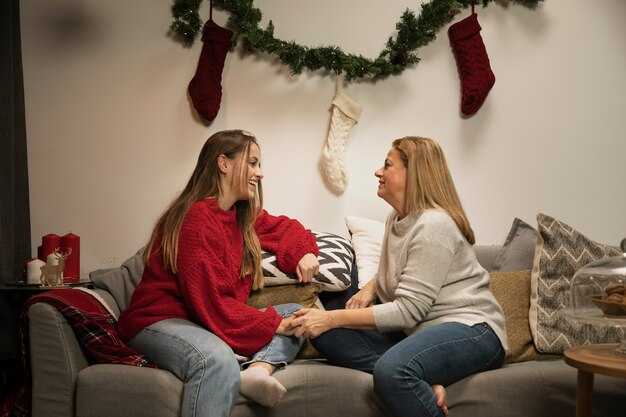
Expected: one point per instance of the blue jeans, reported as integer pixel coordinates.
(406, 367)
(205, 363)
(281, 350)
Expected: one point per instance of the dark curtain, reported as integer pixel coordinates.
(14, 205)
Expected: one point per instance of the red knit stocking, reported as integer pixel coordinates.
(205, 88)
(472, 62)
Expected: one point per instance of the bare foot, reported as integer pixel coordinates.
(440, 398)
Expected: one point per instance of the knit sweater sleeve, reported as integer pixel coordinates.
(211, 287)
(285, 237)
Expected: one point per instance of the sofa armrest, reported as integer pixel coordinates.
(56, 358)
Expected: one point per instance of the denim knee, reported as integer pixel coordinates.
(287, 309)
(217, 360)
(391, 370)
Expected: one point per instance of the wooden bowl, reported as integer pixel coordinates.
(610, 308)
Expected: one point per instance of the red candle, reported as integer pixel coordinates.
(71, 273)
(49, 244)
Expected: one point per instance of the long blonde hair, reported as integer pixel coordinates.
(204, 183)
(429, 183)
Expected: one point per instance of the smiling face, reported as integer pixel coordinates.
(248, 167)
(241, 176)
(392, 181)
(253, 174)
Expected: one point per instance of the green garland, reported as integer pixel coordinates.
(412, 33)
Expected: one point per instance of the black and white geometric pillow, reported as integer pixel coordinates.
(335, 257)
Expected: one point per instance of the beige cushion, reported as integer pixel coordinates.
(512, 290)
(303, 294)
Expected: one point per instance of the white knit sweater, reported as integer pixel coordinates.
(428, 275)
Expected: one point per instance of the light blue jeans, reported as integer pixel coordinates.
(205, 363)
(406, 367)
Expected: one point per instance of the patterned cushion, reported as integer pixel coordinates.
(335, 258)
(560, 252)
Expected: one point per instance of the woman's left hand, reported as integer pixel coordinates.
(307, 268)
(311, 322)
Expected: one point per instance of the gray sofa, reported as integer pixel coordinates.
(66, 384)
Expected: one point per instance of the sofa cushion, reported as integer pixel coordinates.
(535, 388)
(335, 258)
(518, 249)
(512, 290)
(121, 281)
(303, 294)
(560, 252)
(313, 389)
(367, 237)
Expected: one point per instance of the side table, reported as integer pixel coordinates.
(589, 360)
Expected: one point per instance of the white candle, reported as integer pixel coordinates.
(33, 271)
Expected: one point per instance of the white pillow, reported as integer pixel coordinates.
(335, 257)
(367, 238)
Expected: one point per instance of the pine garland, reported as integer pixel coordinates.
(413, 32)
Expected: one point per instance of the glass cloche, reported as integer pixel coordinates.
(598, 293)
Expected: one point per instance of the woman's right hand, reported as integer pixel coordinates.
(366, 297)
(284, 329)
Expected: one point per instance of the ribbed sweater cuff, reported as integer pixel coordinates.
(464, 28)
(350, 108)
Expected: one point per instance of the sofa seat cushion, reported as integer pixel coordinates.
(313, 390)
(316, 389)
(106, 390)
(535, 388)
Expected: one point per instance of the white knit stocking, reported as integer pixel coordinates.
(346, 114)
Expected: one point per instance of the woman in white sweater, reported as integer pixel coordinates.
(428, 318)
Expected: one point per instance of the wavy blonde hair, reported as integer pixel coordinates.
(429, 183)
(204, 183)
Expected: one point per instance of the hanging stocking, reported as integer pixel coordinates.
(472, 62)
(205, 88)
(345, 114)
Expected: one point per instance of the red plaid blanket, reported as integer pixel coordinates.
(94, 327)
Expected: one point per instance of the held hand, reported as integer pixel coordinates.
(284, 328)
(311, 322)
(365, 297)
(307, 268)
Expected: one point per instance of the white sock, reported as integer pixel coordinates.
(258, 385)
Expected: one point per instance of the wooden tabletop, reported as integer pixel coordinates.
(599, 359)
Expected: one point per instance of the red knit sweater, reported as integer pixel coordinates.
(208, 289)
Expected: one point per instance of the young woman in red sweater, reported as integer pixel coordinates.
(189, 314)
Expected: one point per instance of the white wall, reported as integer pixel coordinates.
(112, 136)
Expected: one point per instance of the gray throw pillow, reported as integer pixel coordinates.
(518, 249)
(121, 281)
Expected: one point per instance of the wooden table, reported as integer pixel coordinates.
(589, 360)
